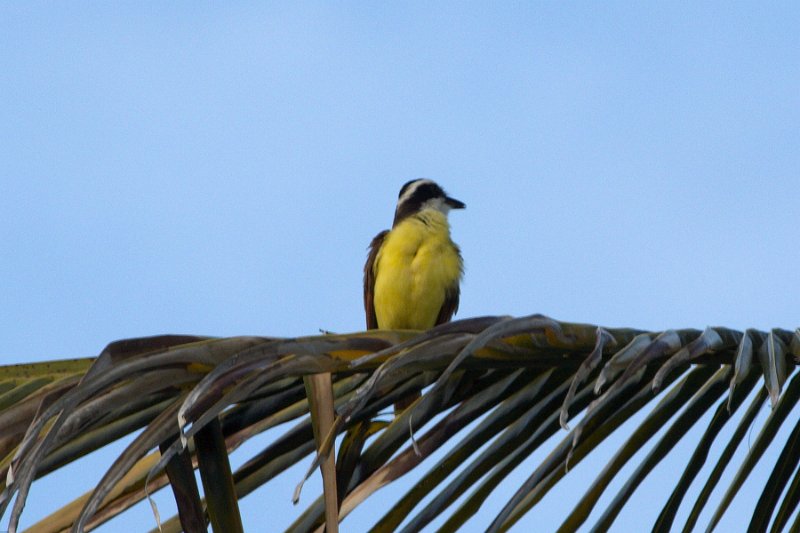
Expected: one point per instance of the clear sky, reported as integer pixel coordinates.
(220, 169)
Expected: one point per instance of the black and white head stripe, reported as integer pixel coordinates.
(420, 194)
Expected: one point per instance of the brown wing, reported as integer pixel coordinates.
(450, 305)
(369, 280)
(451, 297)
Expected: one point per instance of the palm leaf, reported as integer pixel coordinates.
(496, 392)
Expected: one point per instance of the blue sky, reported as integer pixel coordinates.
(220, 168)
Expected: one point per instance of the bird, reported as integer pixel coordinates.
(413, 271)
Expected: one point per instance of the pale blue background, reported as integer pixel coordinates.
(220, 169)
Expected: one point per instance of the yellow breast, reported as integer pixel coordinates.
(415, 265)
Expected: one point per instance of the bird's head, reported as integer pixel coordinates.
(421, 194)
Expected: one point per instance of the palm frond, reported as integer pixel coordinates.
(496, 390)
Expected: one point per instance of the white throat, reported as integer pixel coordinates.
(437, 204)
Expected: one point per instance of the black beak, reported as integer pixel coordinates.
(453, 203)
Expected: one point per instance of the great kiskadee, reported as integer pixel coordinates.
(412, 275)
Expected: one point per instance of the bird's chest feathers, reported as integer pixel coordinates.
(414, 268)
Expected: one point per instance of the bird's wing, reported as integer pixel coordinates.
(450, 305)
(451, 297)
(369, 280)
